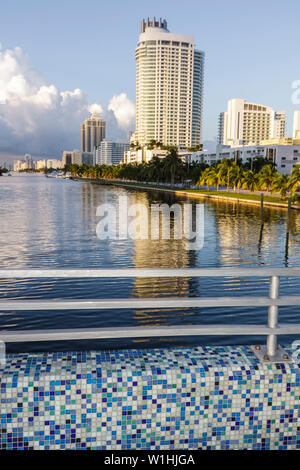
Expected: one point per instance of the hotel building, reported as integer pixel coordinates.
(247, 123)
(169, 86)
(92, 133)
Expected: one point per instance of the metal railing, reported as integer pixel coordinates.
(271, 352)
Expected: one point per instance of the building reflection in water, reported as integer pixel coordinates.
(48, 223)
(234, 236)
(160, 253)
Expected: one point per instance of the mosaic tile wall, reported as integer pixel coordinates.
(180, 398)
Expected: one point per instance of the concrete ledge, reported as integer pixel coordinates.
(179, 398)
(198, 195)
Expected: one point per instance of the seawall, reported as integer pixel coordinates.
(194, 194)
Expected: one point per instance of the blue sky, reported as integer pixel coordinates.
(252, 48)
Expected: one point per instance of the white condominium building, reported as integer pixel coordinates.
(92, 133)
(284, 152)
(26, 164)
(110, 153)
(40, 164)
(278, 125)
(169, 86)
(247, 123)
(53, 163)
(18, 165)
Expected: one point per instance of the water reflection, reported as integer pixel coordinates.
(48, 223)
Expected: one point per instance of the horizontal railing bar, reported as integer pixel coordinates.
(138, 332)
(137, 272)
(159, 303)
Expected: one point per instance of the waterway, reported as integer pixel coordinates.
(51, 223)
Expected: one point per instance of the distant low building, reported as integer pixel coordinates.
(133, 156)
(149, 154)
(284, 156)
(76, 157)
(26, 164)
(146, 155)
(66, 158)
(6, 165)
(54, 163)
(29, 164)
(40, 164)
(18, 165)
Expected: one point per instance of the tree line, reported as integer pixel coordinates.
(3, 170)
(258, 174)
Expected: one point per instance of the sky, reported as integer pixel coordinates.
(60, 59)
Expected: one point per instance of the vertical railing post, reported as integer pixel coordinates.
(262, 207)
(273, 315)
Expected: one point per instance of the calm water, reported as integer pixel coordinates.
(50, 223)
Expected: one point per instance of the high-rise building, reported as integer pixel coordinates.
(28, 162)
(92, 133)
(110, 153)
(66, 158)
(222, 128)
(169, 86)
(247, 123)
(278, 126)
(296, 125)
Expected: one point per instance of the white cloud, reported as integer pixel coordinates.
(95, 108)
(124, 110)
(38, 118)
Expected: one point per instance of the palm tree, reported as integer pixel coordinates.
(236, 177)
(205, 177)
(250, 180)
(266, 177)
(281, 185)
(196, 170)
(155, 169)
(221, 176)
(226, 168)
(294, 181)
(172, 165)
(153, 144)
(209, 177)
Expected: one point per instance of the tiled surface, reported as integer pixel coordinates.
(180, 398)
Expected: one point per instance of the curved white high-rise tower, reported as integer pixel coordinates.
(169, 86)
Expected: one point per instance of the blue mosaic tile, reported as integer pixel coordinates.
(179, 398)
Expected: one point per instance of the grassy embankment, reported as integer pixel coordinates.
(204, 192)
